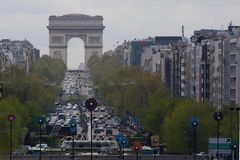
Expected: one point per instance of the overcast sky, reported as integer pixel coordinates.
(124, 19)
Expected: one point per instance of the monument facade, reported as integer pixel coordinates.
(63, 28)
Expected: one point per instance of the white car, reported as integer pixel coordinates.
(37, 147)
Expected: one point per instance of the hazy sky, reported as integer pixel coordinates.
(124, 19)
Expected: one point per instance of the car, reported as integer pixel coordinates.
(107, 125)
(109, 132)
(202, 154)
(97, 131)
(103, 109)
(101, 116)
(68, 107)
(36, 148)
(74, 107)
(84, 109)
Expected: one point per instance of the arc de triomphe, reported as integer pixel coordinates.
(63, 28)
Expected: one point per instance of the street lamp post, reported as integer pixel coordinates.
(11, 118)
(237, 109)
(73, 156)
(194, 124)
(155, 143)
(73, 130)
(218, 116)
(235, 144)
(40, 122)
(122, 142)
(91, 105)
(231, 132)
(1, 90)
(136, 147)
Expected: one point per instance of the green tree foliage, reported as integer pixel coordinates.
(176, 129)
(8, 106)
(28, 96)
(228, 126)
(126, 89)
(31, 90)
(159, 108)
(28, 87)
(144, 95)
(50, 68)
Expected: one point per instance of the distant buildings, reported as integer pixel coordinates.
(203, 68)
(20, 53)
(214, 62)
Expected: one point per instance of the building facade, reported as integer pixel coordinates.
(63, 28)
(205, 68)
(19, 53)
(215, 66)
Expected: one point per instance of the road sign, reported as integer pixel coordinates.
(73, 126)
(194, 122)
(224, 145)
(124, 142)
(91, 104)
(155, 140)
(11, 117)
(121, 140)
(218, 116)
(41, 120)
(136, 147)
(119, 137)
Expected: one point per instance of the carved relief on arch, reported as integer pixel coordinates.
(94, 40)
(57, 40)
(82, 37)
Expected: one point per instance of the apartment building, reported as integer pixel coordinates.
(181, 53)
(157, 60)
(204, 68)
(233, 48)
(215, 66)
(19, 53)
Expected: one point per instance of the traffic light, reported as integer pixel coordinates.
(155, 140)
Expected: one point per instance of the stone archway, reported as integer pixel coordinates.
(63, 28)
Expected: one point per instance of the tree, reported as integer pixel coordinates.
(177, 124)
(144, 95)
(126, 89)
(8, 106)
(228, 125)
(160, 107)
(32, 91)
(50, 68)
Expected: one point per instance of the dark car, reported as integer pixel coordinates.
(109, 132)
